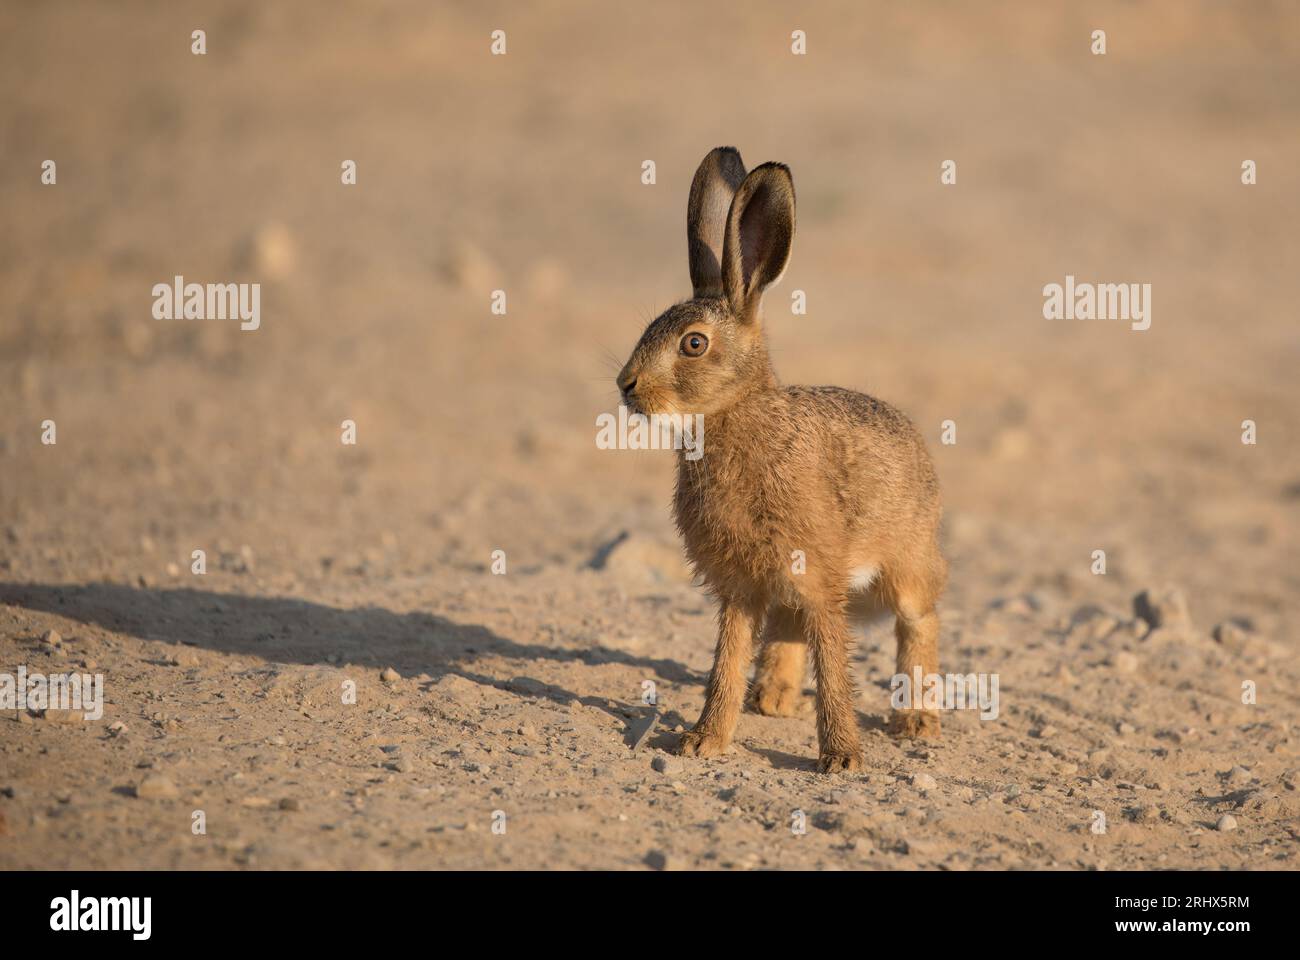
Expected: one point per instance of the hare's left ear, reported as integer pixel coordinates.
(760, 232)
(715, 183)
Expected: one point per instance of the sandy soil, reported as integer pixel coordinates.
(522, 693)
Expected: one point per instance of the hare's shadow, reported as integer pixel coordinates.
(290, 630)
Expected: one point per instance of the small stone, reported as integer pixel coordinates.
(1226, 822)
(1125, 662)
(389, 675)
(156, 787)
(1045, 731)
(923, 781)
(1165, 607)
(667, 765)
(291, 804)
(658, 860)
(51, 638)
(1124, 728)
(118, 729)
(520, 750)
(475, 766)
(401, 765)
(1147, 813)
(1238, 776)
(1231, 635)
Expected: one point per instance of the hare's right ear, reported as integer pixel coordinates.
(715, 183)
(760, 232)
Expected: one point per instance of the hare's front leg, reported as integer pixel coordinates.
(827, 628)
(737, 624)
(782, 662)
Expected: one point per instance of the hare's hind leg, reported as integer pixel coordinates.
(782, 664)
(917, 631)
(725, 696)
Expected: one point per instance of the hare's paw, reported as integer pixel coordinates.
(832, 762)
(774, 698)
(701, 743)
(922, 724)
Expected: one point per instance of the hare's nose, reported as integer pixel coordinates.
(627, 385)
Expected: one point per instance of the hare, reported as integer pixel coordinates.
(805, 499)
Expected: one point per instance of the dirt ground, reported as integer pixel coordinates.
(518, 698)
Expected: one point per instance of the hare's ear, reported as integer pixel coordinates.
(760, 230)
(715, 183)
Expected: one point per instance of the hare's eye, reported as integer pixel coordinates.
(694, 344)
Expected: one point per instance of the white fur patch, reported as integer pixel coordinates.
(861, 578)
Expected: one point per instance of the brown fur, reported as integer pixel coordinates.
(838, 475)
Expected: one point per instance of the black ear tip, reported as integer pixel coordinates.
(726, 158)
(778, 168)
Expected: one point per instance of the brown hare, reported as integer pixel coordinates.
(805, 499)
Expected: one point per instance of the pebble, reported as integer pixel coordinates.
(291, 804)
(519, 750)
(1233, 636)
(156, 787)
(667, 765)
(1125, 662)
(1165, 607)
(1226, 822)
(658, 860)
(923, 781)
(51, 638)
(1239, 775)
(1123, 728)
(1147, 813)
(389, 675)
